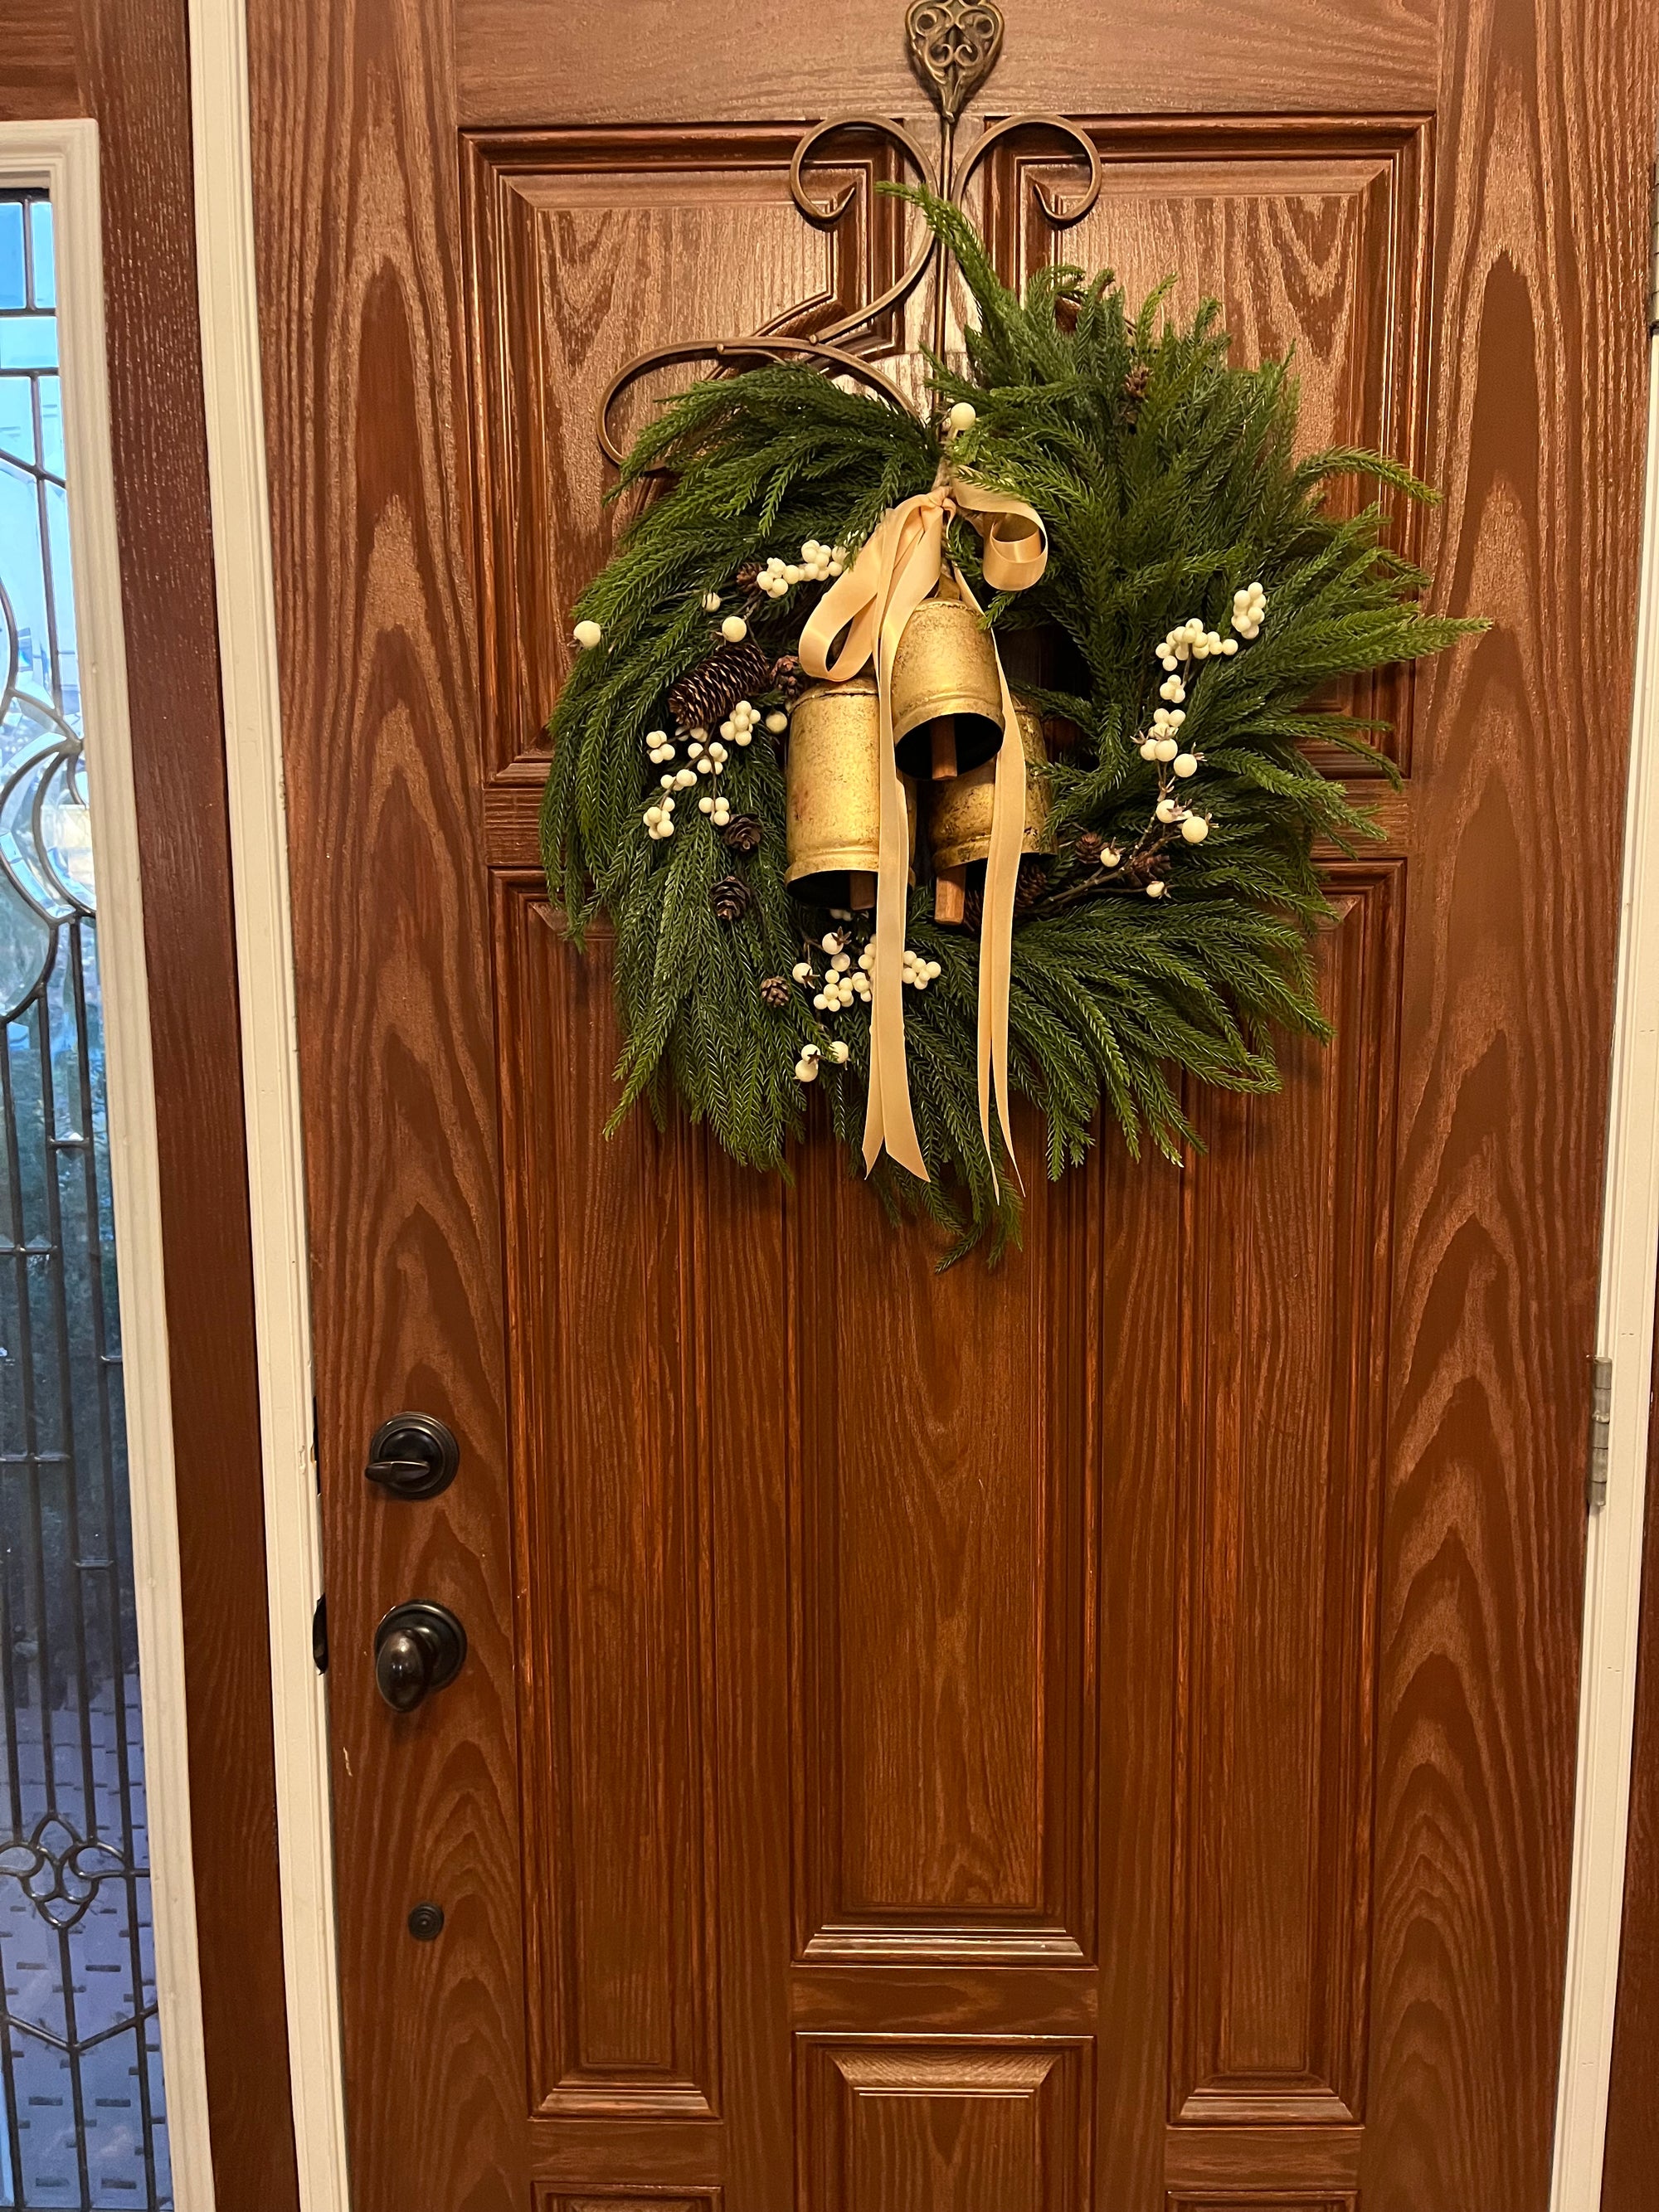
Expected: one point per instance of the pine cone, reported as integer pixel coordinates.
(1134, 390)
(730, 899)
(742, 834)
(1089, 847)
(775, 991)
(1033, 881)
(705, 695)
(749, 575)
(1140, 868)
(787, 679)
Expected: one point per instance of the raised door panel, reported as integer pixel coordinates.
(950, 2126)
(632, 2200)
(1312, 236)
(1286, 1253)
(944, 1585)
(1179, 2201)
(610, 1497)
(588, 249)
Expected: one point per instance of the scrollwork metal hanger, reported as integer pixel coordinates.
(954, 46)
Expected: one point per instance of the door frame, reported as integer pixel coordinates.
(253, 732)
(1625, 1326)
(226, 282)
(61, 157)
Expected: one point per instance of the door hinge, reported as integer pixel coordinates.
(1595, 1489)
(319, 1634)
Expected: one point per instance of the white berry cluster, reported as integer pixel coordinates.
(1190, 641)
(919, 973)
(659, 819)
(816, 564)
(806, 1067)
(740, 726)
(1161, 742)
(1194, 828)
(1249, 612)
(659, 747)
(843, 983)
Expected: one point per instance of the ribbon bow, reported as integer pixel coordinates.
(899, 566)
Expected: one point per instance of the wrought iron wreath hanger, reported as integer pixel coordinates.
(954, 47)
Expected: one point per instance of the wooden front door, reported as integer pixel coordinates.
(1099, 1734)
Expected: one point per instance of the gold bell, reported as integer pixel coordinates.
(832, 795)
(959, 816)
(947, 700)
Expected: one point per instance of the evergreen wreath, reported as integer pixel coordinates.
(1167, 936)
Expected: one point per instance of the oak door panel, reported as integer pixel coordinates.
(1285, 1273)
(586, 249)
(1099, 1734)
(957, 2127)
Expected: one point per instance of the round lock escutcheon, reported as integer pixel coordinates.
(413, 1455)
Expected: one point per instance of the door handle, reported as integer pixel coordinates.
(413, 1455)
(418, 1648)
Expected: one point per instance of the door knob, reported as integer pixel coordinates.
(418, 1647)
(413, 1455)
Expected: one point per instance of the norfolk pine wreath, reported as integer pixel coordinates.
(1203, 596)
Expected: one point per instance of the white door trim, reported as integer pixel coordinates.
(61, 157)
(229, 293)
(1612, 1576)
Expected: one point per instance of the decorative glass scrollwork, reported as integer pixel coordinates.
(954, 46)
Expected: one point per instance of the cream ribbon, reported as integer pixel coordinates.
(900, 565)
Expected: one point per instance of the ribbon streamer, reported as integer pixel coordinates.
(900, 565)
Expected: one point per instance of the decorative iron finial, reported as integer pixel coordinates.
(954, 44)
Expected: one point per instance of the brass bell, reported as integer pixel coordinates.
(959, 816)
(947, 700)
(832, 795)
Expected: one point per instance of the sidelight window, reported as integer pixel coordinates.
(81, 2108)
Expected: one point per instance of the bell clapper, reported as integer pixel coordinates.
(861, 890)
(942, 736)
(950, 895)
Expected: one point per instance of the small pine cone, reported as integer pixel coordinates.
(705, 695)
(776, 991)
(742, 834)
(730, 899)
(789, 678)
(1033, 881)
(748, 575)
(1134, 390)
(1140, 868)
(1089, 847)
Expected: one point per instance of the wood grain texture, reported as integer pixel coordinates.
(1179, 2201)
(542, 61)
(556, 2201)
(1313, 235)
(1285, 1262)
(614, 1687)
(126, 63)
(1632, 2140)
(358, 221)
(1247, 2163)
(958, 1721)
(978, 2126)
(42, 72)
(946, 1565)
(588, 248)
(1544, 134)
